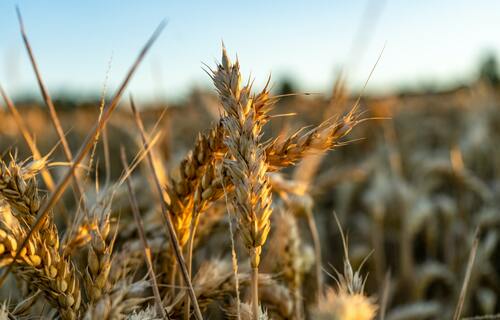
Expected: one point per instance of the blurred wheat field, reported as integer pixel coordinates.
(244, 204)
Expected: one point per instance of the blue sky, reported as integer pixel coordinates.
(76, 42)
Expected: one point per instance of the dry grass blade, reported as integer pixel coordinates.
(87, 145)
(167, 218)
(468, 272)
(140, 228)
(53, 114)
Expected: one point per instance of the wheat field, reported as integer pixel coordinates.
(278, 207)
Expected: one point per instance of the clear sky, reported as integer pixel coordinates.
(76, 42)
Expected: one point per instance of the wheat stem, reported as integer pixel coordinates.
(167, 219)
(145, 246)
(189, 260)
(255, 293)
(317, 252)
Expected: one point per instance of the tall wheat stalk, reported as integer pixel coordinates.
(245, 165)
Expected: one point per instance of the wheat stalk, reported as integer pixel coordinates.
(197, 185)
(144, 242)
(245, 165)
(286, 243)
(167, 218)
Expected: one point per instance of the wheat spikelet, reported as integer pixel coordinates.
(19, 189)
(285, 152)
(198, 183)
(99, 252)
(20, 309)
(348, 301)
(78, 239)
(40, 263)
(196, 167)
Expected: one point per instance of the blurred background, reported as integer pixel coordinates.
(411, 187)
(429, 44)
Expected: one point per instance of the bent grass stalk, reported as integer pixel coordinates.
(145, 246)
(78, 189)
(166, 216)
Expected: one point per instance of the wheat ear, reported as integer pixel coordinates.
(99, 251)
(39, 263)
